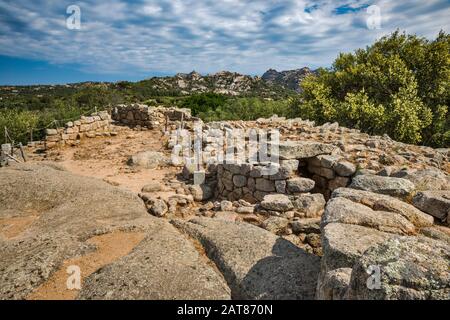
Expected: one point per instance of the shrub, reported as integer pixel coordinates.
(18, 124)
(399, 86)
(204, 102)
(246, 109)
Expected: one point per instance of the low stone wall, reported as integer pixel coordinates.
(297, 173)
(98, 124)
(140, 115)
(248, 182)
(329, 173)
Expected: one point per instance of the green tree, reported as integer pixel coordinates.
(18, 124)
(399, 86)
(204, 102)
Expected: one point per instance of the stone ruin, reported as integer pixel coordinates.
(98, 124)
(303, 167)
(143, 116)
(394, 213)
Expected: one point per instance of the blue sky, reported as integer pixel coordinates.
(137, 39)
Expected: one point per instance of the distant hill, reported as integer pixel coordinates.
(272, 84)
(224, 82)
(289, 79)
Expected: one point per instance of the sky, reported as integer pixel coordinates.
(41, 42)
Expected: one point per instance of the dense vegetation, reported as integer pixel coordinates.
(203, 103)
(29, 113)
(216, 107)
(399, 86)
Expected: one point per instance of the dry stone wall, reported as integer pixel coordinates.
(98, 124)
(295, 174)
(140, 115)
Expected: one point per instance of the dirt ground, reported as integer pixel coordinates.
(106, 159)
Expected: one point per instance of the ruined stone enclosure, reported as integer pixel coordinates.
(143, 116)
(306, 222)
(303, 167)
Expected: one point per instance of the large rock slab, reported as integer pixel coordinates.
(68, 210)
(341, 210)
(385, 185)
(165, 265)
(65, 202)
(425, 179)
(386, 203)
(356, 225)
(277, 202)
(303, 149)
(343, 244)
(300, 185)
(345, 168)
(308, 205)
(148, 160)
(334, 284)
(436, 203)
(411, 268)
(256, 263)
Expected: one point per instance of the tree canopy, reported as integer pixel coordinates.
(399, 86)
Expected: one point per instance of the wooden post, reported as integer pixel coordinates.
(22, 152)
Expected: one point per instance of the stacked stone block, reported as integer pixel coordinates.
(303, 168)
(249, 182)
(141, 115)
(98, 124)
(329, 173)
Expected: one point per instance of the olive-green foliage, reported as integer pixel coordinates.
(28, 113)
(18, 123)
(204, 102)
(247, 109)
(399, 86)
(216, 107)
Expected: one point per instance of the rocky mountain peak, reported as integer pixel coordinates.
(289, 79)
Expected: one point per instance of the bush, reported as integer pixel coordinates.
(399, 86)
(204, 102)
(246, 109)
(18, 124)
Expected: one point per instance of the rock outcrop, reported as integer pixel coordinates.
(364, 232)
(289, 79)
(256, 264)
(67, 210)
(341, 215)
(385, 185)
(411, 268)
(165, 265)
(435, 203)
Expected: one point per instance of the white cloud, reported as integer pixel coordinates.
(141, 37)
(151, 9)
